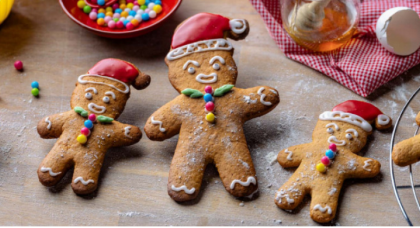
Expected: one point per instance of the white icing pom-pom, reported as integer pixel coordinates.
(238, 26)
(152, 14)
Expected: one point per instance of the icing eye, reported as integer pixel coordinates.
(191, 70)
(106, 99)
(216, 66)
(349, 136)
(330, 130)
(88, 96)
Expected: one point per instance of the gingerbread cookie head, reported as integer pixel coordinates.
(201, 55)
(349, 124)
(105, 89)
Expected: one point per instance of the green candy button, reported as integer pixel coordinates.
(35, 92)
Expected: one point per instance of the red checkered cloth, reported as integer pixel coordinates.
(362, 64)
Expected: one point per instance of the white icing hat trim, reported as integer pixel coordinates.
(383, 120)
(211, 45)
(238, 26)
(81, 81)
(346, 117)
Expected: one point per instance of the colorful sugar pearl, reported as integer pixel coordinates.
(82, 139)
(89, 124)
(85, 131)
(209, 106)
(18, 65)
(208, 89)
(138, 10)
(326, 160)
(208, 97)
(92, 117)
(35, 92)
(210, 117)
(35, 84)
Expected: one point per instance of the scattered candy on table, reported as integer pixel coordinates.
(125, 14)
(35, 92)
(327, 159)
(35, 84)
(19, 65)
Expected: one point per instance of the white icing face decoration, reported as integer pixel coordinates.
(205, 78)
(332, 128)
(88, 93)
(106, 99)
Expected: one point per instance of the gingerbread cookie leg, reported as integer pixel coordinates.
(86, 172)
(186, 173)
(236, 170)
(291, 194)
(54, 165)
(323, 205)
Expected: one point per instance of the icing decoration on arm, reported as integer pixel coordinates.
(223, 90)
(323, 209)
(367, 164)
(155, 122)
(81, 111)
(248, 100)
(80, 179)
(183, 187)
(193, 93)
(127, 132)
(112, 94)
(81, 81)
(346, 117)
(289, 156)
(262, 96)
(190, 61)
(45, 169)
(238, 26)
(282, 194)
(105, 119)
(250, 180)
(273, 91)
(383, 120)
(94, 108)
(222, 60)
(201, 78)
(47, 120)
(95, 91)
(351, 130)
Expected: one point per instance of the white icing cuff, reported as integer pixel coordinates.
(246, 183)
(184, 188)
(346, 117)
(45, 169)
(323, 209)
(210, 45)
(80, 179)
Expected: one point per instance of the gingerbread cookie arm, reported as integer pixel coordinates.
(407, 152)
(165, 122)
(360, 167)
(126, 134)
(257, 101)
(292, 156)
(52, 126)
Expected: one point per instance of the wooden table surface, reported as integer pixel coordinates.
(132, 189)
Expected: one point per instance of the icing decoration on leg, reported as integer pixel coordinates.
(323, 209)
(80, 179)
(44, 170)
(184, 188)
(249, 181)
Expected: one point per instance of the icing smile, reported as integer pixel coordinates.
(201, 78)
(333, 139)
(96, 108)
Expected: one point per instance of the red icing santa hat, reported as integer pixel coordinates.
(119, 71)
(206, 32)
(359, 113)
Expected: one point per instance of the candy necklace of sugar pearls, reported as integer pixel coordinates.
(326, 160)
(125, 14)
(209, 107)
(88, 124)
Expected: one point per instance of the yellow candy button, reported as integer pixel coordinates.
(321, 168)
(82, 139)
(210, 117)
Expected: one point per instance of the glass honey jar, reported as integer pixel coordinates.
(320, 25)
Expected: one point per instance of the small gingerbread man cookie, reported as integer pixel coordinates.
(87, 131)
(210, 112)
(330, 158)
(407, 152)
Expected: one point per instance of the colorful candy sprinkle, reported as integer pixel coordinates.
(82, 139)
(35, 84)
(92, 117)
(85, 131)
(19, 65)
(208, 97)
(89, 124)
(321, 168)
(35, 92)
(209, 106)
(129, 12)
(210, 117)
(327, 159)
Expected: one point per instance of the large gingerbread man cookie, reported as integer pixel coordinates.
(86, 132)
(330, 158)
(407, 152)
(210, 112)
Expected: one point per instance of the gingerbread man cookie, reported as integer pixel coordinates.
(210, 112)
(407, 152)
(87, 131)
(330, 158)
